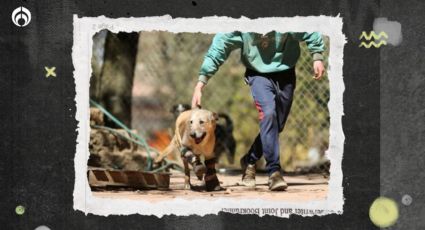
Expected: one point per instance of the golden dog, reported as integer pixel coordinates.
(195, 136)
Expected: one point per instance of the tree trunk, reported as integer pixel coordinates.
(112, 81)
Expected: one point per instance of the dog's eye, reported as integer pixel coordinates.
(191, 122)
(201, 122)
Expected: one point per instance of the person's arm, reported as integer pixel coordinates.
(316, 46)
(197, 94)
(221, 47)
(315, 43)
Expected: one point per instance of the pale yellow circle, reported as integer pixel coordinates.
(20, 210)
(383, 212)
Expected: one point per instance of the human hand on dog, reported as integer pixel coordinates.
(197, 95)
(319, 69)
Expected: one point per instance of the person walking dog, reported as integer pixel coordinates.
(270, 61)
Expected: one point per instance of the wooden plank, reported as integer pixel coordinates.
(99, 177)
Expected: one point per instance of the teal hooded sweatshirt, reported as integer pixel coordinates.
(272, 52)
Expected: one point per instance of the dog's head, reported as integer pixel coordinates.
(202, 124)
(179, 108)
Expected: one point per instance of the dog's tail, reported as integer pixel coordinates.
(163, 154)
(175, 144)
(229, 122)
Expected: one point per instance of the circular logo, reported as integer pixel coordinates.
(21, 16)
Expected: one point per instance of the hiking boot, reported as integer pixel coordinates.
(248, 177)
(276, 182)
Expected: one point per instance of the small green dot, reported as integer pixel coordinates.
(20, 210)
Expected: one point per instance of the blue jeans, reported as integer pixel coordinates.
(272, 93)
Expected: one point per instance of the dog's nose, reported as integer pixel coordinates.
(192, 135)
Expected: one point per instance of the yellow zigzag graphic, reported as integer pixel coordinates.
(373, 34)
(372, 43)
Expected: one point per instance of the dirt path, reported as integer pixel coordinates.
(301, 188)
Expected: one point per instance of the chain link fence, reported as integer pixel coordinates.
(166, 71)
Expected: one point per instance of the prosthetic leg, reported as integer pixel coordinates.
(211, 181)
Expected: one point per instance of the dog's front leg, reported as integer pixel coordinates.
(194, 160)
(211, 181)
(186, 174)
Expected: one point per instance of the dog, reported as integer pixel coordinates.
(178, 109)
(225, 141)
(194, 136)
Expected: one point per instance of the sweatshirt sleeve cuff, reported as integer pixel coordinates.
(317, 57)
(204, 79)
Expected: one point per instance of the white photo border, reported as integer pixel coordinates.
(86, 27)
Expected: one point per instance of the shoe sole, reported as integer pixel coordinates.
(282, 187)
(248, 184)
